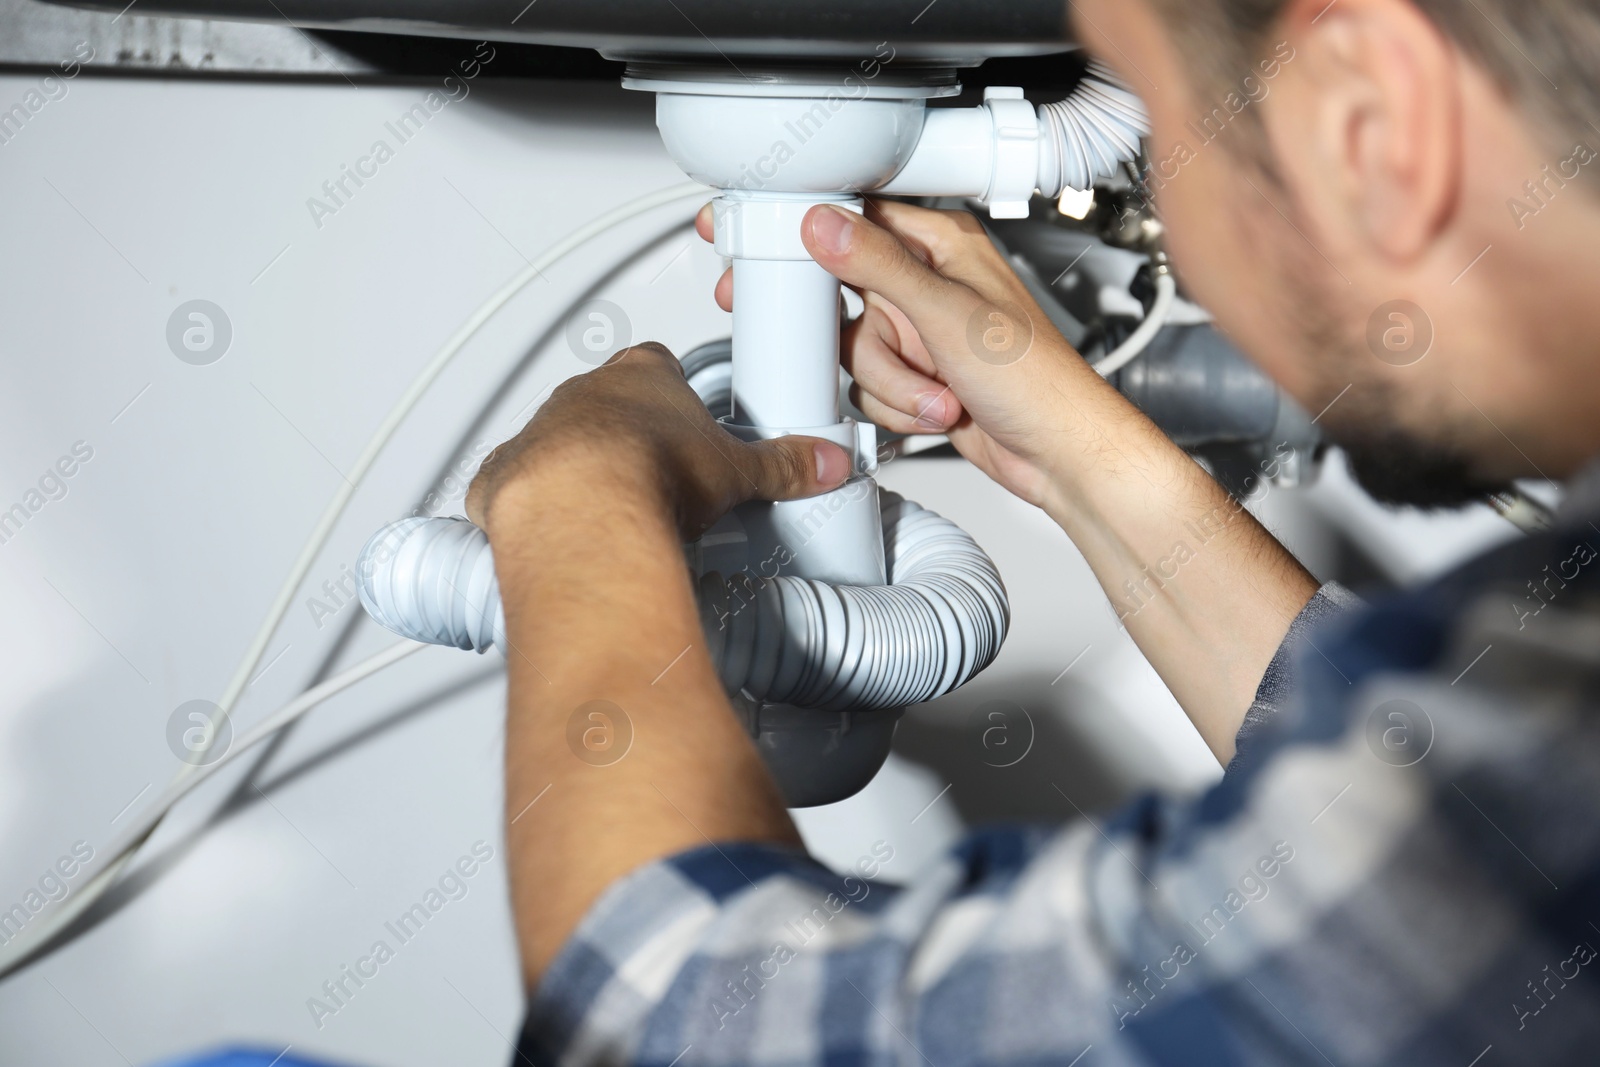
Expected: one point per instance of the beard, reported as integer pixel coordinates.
(1399, 469)
(1395, 466)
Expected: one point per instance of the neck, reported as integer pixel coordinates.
(1523, 337)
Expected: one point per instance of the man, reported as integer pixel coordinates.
(1401, 864)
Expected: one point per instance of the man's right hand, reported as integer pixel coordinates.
(952, 342)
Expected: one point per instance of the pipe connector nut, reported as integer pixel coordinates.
(1016, 152)
(766, 228)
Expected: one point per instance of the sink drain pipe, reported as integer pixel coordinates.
(880, 604)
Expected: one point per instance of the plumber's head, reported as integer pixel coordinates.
(1393, 206)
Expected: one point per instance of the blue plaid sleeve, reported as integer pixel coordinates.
(1402, 867)
(1277, 684)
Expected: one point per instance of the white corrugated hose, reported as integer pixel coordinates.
(785, 640)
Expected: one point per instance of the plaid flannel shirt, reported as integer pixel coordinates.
(1401, 866)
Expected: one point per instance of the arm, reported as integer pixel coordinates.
(951, 342)
(587, 510)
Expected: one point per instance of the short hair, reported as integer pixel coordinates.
(1544, 55)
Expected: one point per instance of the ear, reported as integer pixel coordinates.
(1378, 132)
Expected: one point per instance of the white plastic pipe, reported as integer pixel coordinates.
(1005, 150)
(954, 156)
(785, 344)
(844, 641)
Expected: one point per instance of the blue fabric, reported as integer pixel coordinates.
(243, 1057)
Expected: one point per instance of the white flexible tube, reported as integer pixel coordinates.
(48, 924)
(1139, 340)
(433, 580)
(939, 621)
(1090, 134)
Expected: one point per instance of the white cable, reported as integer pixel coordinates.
(1139, 340)
(1523, 511)
(133, 835)
(402, 408)
(17, 949)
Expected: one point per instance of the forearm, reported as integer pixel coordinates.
(1206, 592)
(599, 607)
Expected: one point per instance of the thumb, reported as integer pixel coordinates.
(792, 467)
(861, 253)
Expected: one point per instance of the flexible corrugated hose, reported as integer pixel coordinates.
(1091, 133)
(784, 640)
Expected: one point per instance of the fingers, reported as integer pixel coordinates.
(948, 240)
(705, 226)
(942, 411)
(926, 248)
(790, 468)
(889, 388)
(787, 468)
(859, 252)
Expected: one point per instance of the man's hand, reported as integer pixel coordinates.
(634, 425)
(952, 342)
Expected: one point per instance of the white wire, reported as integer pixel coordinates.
(13, 952)
(136, 833)
(1523, 511)
(1139, 340)
(402, 408)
